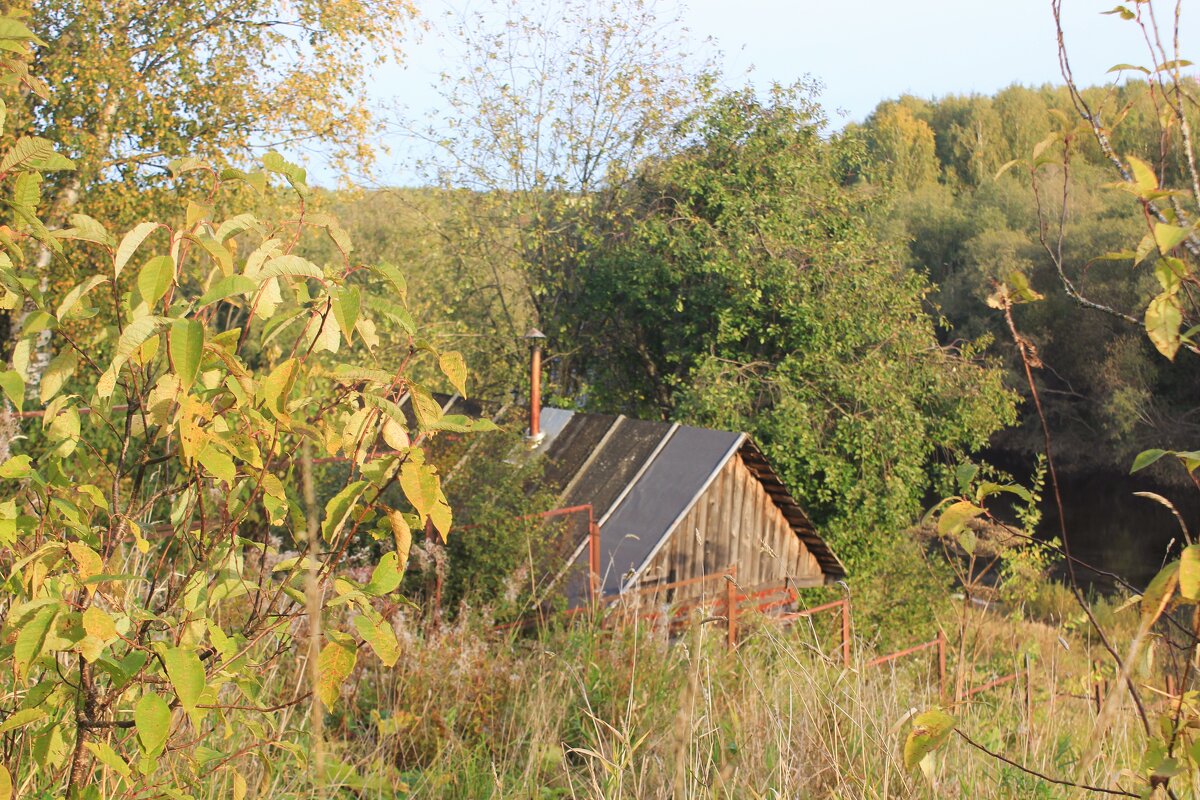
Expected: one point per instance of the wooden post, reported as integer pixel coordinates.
(730, 611)
(941, 654)
(1028, 692)
(846, 633)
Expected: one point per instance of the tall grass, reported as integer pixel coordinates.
(587, 713)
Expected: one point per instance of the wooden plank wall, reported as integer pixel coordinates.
(734, 522)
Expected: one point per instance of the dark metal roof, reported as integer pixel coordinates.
(568, 450)
(649, 512)
(613, 467)
(642, 477)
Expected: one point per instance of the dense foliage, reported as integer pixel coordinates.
(1107, 393)
(747, 291)
(163, 541)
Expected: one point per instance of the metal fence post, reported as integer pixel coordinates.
(846, 634)
(593, 556)
(730, 611)
(941, 653)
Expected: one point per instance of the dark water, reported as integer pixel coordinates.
(1111, 528)
(1107, 525)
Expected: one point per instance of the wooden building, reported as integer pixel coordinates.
(671, 502)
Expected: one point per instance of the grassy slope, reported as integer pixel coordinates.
(466, 714)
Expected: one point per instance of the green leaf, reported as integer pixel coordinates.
(1164, 317)
(179, 166)
(109, 758)
(460, 423)
(1005, 168)
(60, 369)
(386, 577)
(334, 665)
(155, 278)
(52, 163)
(77, 293)
(988, 488)
(26, 149)
(13, 385)
(378, 633)
(1170, 273)
(19, 719)
(339, 508)
(966, 540)
(1157, 597)
(964, 475)
(218, 463)
(1022, 291)
(134, 336)
(27, 190)
(186, 674)
(12, 28)
(1168, 237)
(186, 346)
(956, 516)
(217, 251)
(346, 306)
(152, 720)
(427, 410)
(237, 224)
(396, 278)
(130, 243)
(229, 286)
(31, 638)
(1145, 248)
(18, 466)
(1146, 458)
(86, 229)
(930, 731)
(291, 267)
(454, 367)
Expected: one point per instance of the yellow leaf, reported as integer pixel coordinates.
(1143, 175)
(333, 667)
(99, 623)
(454, 367)
(403, 536)
(89, 561)
(394, 434)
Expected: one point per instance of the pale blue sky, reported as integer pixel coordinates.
(864, 51)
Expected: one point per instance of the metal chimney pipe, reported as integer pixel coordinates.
(535, 338)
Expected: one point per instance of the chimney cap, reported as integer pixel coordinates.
(534, 335)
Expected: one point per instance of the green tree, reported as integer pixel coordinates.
(549, 103)
(162, 540)
(1162, 185)
(138, 84)
(748, 292)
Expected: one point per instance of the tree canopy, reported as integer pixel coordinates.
(748, 291)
